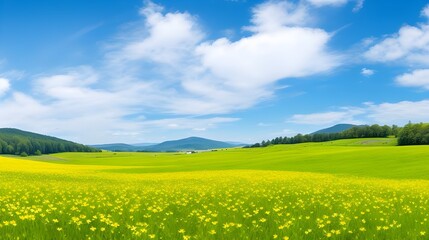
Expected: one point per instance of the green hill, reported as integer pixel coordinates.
(15, 141)
(336, 129)
(188, 144)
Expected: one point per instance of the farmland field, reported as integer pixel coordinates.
(347, 189)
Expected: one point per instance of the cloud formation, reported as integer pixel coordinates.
(201, 76)
(399, 112)
(384, 113)
(367, 72)
(272, 16)
(4, 86)
(417, 78)
(410, 44)
(327, 118)
(161, 38)
(165, 65)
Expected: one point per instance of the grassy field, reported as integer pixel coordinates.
(348, 189)
(359, 157)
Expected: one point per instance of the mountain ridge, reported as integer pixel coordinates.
(185, 144)
(336, 128)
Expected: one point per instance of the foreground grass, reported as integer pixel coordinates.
(40, 200)
(359, 157)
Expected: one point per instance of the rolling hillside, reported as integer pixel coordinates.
(370, 157)
(336, 128)
(15, 141)
(186, 144)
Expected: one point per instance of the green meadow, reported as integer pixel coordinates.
(359, 157)
(346, 189)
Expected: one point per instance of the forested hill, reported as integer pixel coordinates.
(336, 129)
(15, 141)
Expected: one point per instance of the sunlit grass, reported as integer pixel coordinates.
(359, 157)
(41, 200)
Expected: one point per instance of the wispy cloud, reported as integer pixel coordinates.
(85, 30)
(320, 3)
(425, 12)
(410, 45)
(417, 78)
(358, 6)
(346, 115)
(382, 113)
(367, 72)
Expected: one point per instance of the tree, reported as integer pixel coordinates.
(395, 130)
(414, 134)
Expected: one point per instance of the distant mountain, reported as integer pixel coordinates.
(188, 144)
(238, 144)
(15, 141)
(336, 129)
(143, 144)
(122, 147)
(118, 147)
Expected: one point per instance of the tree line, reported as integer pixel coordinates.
(17, 142)
(365, 131)
(414, 134)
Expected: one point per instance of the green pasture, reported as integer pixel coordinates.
(347, 189)
(360, 157)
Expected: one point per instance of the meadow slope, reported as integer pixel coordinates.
(359, 157)
(350, 189)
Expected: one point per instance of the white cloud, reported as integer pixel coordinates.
(74, 84)
(417, 78)
(4, 86)
(400, 112)
(272, 16)
(69, 105)
(267, 57)
(320, 3)
(370, 113)
(207, 77)
(367, 72)
(164, 38)
(326, 118)
(65, 105)
(409, 44)
(164, 65)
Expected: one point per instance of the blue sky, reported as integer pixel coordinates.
(148, 71)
